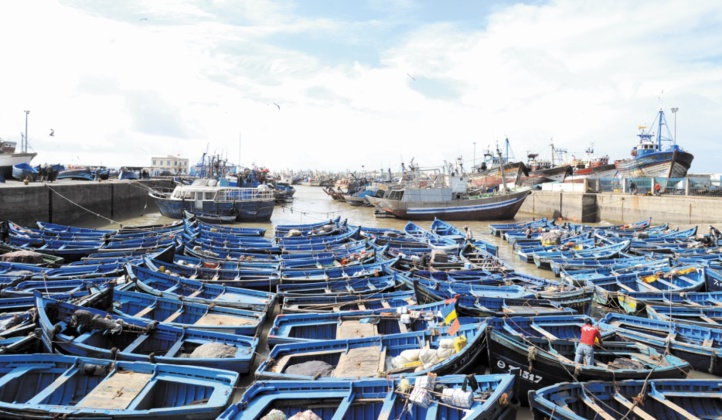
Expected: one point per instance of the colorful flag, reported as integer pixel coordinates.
(448, 312)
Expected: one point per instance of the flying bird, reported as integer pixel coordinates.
(277, 106)
(143, 19)
(52, 133)
(410, 76)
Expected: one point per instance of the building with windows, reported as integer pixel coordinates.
(176, 165)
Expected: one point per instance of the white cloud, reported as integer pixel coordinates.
(153, 78)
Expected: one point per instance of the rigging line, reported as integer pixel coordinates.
(78, 205)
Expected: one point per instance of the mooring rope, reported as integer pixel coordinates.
(78, 205)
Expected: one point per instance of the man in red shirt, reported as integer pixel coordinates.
(585, 348)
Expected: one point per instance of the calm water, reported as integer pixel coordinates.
(312, 205)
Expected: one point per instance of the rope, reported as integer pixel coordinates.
(78, 205)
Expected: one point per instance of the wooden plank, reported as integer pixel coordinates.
(543, 332)
(360, 362)
(635, 409)
(674, 407)
(708, 320)
(355, 329)
(361, 306)
(174, 315)
(196, 293)
(708, 342)
(117, 391)
(145, 311)
(215, 320)
(385, 304)
(595, 407)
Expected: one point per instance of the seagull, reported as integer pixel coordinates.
(412, 77)
(277, 106)
(52, 132)
(143, 19)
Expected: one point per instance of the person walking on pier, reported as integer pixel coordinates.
(657, 188)
(585, 348)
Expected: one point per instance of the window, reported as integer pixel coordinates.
(153, 163)
(168, 163)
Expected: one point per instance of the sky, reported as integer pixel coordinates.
(357, 85)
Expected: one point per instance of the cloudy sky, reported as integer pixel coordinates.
(336, 85)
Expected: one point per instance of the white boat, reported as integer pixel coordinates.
(8, 157)
(206, 196)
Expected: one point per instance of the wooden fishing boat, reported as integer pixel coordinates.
(498, 229)
(89, 332)
(305, 327)
(324, 304)
(164, 285)
(668, 279)
(700, 346)
(543, 259)
(176, 312)
(544, 349)
(633, 302)
(357, 358)
(253, 277)
(200, 225)
(349, 286)
(699, 315)
(52, 386)
(662, 399)
(379, 399)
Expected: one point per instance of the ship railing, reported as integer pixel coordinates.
(245, 194)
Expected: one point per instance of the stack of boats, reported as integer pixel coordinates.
(165, 320)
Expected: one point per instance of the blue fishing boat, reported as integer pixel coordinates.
(393, 355)
(176, 312)
(305, 327)
(165, 285)
(492, 397)
(545, 258)
(656, 154)
(633, 302)
(700, 346)
(703, 316)
(323, 304)
(23, 171)
(51, 386)
(350, 286)
(681, 399)
(544, 349)
(89, 332)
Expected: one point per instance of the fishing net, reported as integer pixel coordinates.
(28, 257)
(89, 321)
(314, 368)
(212, 351)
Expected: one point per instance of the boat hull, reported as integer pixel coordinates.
(498, 207)
(244, 211)
(8, 160)
(672, 164)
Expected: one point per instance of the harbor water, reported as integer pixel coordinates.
(312, 204)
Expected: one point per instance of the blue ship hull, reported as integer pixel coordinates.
(244, 211)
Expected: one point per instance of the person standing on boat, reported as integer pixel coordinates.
(585, 348)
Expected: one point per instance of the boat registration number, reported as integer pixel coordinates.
(525, 374)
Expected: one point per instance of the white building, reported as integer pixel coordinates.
(172, 164)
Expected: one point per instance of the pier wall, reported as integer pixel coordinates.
(624, 208)
(77, 203)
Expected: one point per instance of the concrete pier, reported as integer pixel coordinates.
(624, 208)
(77, 202)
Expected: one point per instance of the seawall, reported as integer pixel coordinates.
(624, 208)
(77, 202)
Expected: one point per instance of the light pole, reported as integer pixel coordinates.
(473, 168)
(24, 146)
(674, 111)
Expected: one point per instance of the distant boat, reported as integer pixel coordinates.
(82, 174)
(8, 157)
(205, 196)
(592, 167)
(446, 198)
(651, 158)
(22, 171)
(490, 175)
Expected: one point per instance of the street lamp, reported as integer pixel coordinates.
(473, 168)
(24, 146)
(674, 111)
